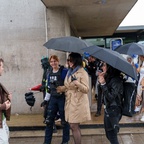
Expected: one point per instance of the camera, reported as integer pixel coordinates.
(54, 83)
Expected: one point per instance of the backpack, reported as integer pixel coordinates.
(30, 99)
(128, 98)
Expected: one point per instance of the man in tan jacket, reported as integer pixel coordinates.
(5, 105)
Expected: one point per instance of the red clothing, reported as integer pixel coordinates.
(36, 88)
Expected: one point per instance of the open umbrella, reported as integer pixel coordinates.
(112, 58)
(67, 44)
(131, 48)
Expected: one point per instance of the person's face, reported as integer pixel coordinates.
(70, 63)
(104, 67)
(129, 60)
(92, 59)
(1, 68)
(54, 63)
(89, 59)
(141, 58)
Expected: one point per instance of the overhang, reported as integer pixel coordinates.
(90, 18)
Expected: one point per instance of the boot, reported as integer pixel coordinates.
(98, 114)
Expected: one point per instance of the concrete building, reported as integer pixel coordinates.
(25, 25)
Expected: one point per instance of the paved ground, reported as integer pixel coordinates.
(29, 129)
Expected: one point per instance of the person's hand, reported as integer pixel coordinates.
(44, 103)
(8, 104)
(59, 89)
(76, 82)
(101, 78)
(10, 97)
(73, 78)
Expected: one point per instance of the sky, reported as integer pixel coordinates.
(136, 16)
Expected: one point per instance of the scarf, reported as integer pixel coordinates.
(72, 71)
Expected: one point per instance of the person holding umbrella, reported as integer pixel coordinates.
(76, 89)
(111, 84)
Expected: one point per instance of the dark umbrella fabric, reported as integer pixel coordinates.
(67, 44)
(112, 58)
(131, 48)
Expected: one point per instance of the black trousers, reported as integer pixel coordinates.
(99, 99)
(112, 117)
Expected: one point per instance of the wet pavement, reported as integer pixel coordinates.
(89, 136)
(29, 129)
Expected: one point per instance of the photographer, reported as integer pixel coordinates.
(57, 101)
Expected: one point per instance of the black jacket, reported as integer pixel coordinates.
(112, 92)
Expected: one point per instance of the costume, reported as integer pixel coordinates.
(112, 91)
(4, 115)
(56, 104)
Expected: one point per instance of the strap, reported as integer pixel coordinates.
(3, 116)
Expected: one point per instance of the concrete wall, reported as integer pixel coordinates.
(24, 29)
(58, 25)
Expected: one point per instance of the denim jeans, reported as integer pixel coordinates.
(56, 105)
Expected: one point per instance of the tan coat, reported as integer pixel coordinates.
(77, 107)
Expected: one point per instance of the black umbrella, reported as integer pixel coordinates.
(131, 48)
(67, 44)
(112, 58)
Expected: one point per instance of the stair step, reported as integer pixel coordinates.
(85, 132)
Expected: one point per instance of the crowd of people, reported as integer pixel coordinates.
(65, 92)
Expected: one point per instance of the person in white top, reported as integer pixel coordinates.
(139, 87)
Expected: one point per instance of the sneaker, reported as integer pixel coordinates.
(137, 109)
(142, 119)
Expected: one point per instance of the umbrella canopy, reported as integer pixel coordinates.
(131, 48)
(67, 44)
(112, 58)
